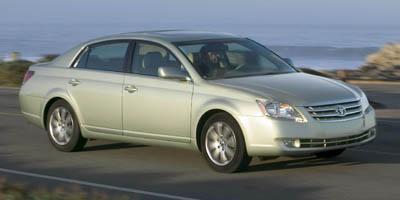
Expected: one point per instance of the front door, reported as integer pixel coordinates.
(153, 107)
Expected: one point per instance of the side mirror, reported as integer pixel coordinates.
(289, 61)
(173, 73)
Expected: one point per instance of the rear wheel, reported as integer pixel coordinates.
(63, 127)
(223, 145)
(329, 154)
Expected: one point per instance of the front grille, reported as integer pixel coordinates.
(334, 112)
(330, 142)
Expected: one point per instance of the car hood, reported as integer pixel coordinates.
(298, 89)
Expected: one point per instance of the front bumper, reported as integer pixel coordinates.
(310, 146)
(263, 135)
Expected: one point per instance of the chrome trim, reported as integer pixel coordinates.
(336, 142)
(130, 88)
(103, 130)
(329, 112)
(72, 62)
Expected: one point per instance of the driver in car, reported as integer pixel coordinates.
(214, 62)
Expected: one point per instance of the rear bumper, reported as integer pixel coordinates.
(264, 136)
(31, 108)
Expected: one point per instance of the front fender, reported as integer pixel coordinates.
(233, 107)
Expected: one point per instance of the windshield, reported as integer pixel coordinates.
(218, 59)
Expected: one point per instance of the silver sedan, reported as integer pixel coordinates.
(224, 95)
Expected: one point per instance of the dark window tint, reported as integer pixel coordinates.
(107, 57)
(149, 57)
(218, 59)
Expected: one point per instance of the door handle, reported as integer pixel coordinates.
(130, 88)
(74, 82)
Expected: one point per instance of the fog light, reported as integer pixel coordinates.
(372, 132)
(291, 143)
(297, 143)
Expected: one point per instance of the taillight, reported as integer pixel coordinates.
(28, 75)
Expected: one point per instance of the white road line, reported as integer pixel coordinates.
(377, 152)
(10, 114)
(103, 186)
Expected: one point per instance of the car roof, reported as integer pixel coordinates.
(177, 35)
(170, 36)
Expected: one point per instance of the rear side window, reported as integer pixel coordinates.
(106, 57)
(81, 62)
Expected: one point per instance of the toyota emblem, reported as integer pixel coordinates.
(341, 111)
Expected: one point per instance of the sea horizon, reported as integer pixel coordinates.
(313, 46)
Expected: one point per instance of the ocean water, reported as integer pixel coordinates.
(315, 46)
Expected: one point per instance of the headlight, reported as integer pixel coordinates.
(364, 101)
(280, 110)
(367, 108)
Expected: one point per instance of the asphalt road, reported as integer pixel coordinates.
(145, 172)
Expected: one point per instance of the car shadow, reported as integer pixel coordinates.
(112, 146)
(294, 163)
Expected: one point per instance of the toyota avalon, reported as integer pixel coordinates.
(226, 96)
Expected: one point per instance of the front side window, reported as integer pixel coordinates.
(149, 57)
(106, 57)
(218, 59)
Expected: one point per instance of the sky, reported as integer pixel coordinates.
(296, 12)
(38, 27)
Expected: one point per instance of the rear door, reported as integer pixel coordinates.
(96, 85)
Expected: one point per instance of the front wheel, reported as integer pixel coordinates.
(223, 145)
(330, 153)
(63, 127)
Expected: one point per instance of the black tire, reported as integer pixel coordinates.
(240, 160)
(77, 142)
(330, 154)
